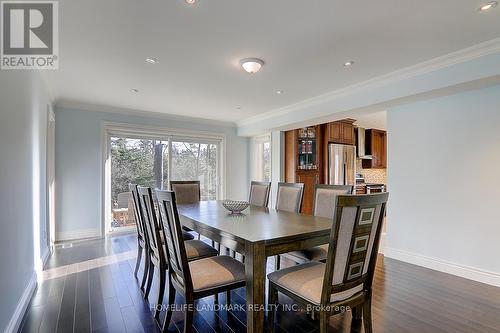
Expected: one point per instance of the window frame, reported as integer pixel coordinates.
(258, 169)
(112, 129)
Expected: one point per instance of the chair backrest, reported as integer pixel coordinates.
(139, 220)
(176, 249)
(122, 199)
(325, 197)
(354, 240)
(186, 191)
(150, 221)
(259, 193)
(290, 197)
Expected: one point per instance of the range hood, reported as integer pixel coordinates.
(361, 144)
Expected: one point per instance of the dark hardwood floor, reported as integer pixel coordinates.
(91, 287)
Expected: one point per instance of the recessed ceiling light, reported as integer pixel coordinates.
(251, 65)
(190, 1)
(279, 92)
(488, 6)
(348, 63)
(152, 60)
(134, 90)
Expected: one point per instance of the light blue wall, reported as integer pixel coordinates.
(79, 160)
(23, 117)
(443, 167)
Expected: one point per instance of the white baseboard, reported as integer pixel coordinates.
(78, 234)
(466, 272)
(24, 301)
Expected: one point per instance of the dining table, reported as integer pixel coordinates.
(257, 233)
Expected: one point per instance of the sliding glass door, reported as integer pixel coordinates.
(154, 161)
(196, 161)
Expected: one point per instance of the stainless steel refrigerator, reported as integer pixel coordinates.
(341, 164)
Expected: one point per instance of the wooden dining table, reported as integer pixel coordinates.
(258, 233)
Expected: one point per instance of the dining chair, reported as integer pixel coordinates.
(345, 280)
(323, 206)
(289, 199)
(259, 193)
(186, 191)
(192, 279)
(195, 249)
(142, 241)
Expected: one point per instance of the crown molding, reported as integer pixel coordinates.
(76, 105)
(450, 59)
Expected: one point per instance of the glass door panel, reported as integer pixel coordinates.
(196, 161)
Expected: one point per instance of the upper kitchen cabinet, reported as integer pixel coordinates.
(341, 132)
(376, 146)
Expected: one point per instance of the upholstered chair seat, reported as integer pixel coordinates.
(187, 235)
(324, 205)
(195, 249)
(306, 281)
(317, 253)
(215, 272)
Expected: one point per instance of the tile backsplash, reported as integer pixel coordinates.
(378, 176)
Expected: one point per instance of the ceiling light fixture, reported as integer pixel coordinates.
(190, 2)
(488, 6)
(348, 63)
(238, 107)
(279, 92)
(134, 90)
(152, 60)
(251, 65)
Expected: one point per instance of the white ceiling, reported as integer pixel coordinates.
(103, 45)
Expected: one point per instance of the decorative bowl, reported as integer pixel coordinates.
(234, 206)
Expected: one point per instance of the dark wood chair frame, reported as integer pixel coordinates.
(268, 191)
(142, 237)
(348, 188)
(359, 302)
(156, 253)
(188, 182)
(277, 258)
(179, 275)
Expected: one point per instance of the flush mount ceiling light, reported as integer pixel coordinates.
(251, 65)
(134, 90)
(190, 2)
(279, 92)
(487, 6)
(152, 60)
(348, 63)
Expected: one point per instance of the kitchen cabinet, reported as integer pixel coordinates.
(376, 146)
(341, 132)
(304, 160)
(309, 179)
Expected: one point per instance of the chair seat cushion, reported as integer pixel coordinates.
(306, 281)
(186, 235)
(216, 272)
(196, 249)
(317, 253)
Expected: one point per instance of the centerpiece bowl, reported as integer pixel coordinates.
(234, 206)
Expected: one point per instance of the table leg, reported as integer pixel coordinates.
(255, 270)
